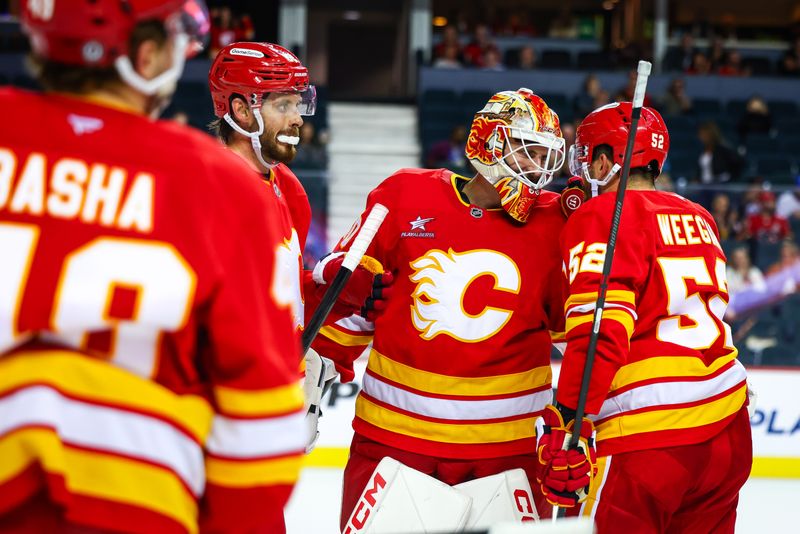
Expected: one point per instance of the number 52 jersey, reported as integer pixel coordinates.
(460, 361)
(665, 372)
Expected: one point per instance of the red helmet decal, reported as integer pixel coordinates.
(483, 128)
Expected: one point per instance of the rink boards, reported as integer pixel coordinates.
(775, 424)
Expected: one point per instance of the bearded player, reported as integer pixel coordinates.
(667, 395)
(460, 363)
(261, 93)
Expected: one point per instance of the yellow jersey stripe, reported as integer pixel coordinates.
(98, 381)
(671, 418)
(100, 476)
(615, 295)
(259, 403)
(247, 474)
(615, 314)
(343, 338)
(456, 385)
(476, 433)
(666, 367)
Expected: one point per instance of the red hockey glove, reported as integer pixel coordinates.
(565, 476)
(573, 195)
(367, 290)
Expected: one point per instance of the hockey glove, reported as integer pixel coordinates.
(320, 374)
(565, 476)
(573, 195)
(367, 290)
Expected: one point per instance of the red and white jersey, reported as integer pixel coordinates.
(145, 367)
(460, 362)
(665, 372)
(294, 212)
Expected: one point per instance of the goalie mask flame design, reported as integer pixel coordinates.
(515, 142)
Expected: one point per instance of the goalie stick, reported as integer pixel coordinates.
(643, 72)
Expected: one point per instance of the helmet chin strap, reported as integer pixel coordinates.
(595, 184)
(255, 137)
(164, 81)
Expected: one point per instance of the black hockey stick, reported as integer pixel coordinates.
(643, 72)
(349, 264)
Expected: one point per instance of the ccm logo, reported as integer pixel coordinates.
(524, 504)
(364, 506)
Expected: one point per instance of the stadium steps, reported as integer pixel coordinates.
(368, 142)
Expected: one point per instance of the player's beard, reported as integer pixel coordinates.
(274, 150)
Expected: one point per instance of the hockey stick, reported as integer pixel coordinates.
(643, 72)
(349, 264)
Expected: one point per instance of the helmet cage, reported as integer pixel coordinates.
(541, 174)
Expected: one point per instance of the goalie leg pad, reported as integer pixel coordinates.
(398, 498)
(504, 497)
(320, 373)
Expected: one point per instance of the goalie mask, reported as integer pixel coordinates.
(609, 125)
(515, 142)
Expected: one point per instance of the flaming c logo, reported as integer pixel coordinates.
(477, 147)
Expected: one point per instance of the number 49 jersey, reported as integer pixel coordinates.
(665, 372)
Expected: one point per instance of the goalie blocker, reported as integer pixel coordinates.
(398, 498)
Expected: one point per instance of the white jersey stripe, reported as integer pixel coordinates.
(257, 438)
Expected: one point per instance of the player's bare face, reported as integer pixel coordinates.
(282, 122)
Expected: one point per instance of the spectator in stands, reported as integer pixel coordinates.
(742, 274)
(450, 58)
(790, 61)
(788, 205)
(733, 65)
(449, 39)
(527, 58)
(625, 94)
(516, 23)
(601, 99)
(700, 65)
(568, 131)
(564, 26)
(750, 204)
(790, 257)
(449, 153)
(757, 119)
(245, 30)
(475, 51)
(680, 58)
(766, 225)
(492, 60)
(729, 224)
(675, 101)
(585, 100)
(181, 117)
(311, 152)
(716, 53)
(718, 163)
(223, 30)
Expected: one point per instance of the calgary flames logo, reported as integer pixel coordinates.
(479, 145)
(442, 280)
(286, 277)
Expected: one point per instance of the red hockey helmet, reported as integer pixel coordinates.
(609, 125)
(96, 32)
(255, 69)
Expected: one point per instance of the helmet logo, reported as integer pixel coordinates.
(92, 52)
(246, 52)
(480, 137)
(41, 9)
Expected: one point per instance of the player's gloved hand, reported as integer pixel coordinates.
(367, 290)
(320, 374)
(565, 476)
(573, 195)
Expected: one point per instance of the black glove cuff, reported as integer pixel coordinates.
(567, 414)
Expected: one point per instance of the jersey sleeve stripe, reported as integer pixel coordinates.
(259, 403)
(427, 381)
(618, 295)
(93, 381)
(622, 317)
(103, 476)
(345, 339)
(257, 438)
(246, 474)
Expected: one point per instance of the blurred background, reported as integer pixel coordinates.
(399, 81)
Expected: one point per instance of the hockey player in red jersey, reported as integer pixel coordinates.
(667, 395)
(460, 363)
(261, 92)
(147, 373)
